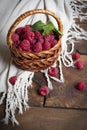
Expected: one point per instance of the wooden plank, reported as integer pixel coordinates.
(34, 98)
(50, 119)
(65, 94)
(81, 47)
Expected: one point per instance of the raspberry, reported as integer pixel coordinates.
(41, 40)
(53, 43)
(17, 43)
(19, 31)
(79, 64)
(46, 45)
(13, 79)
(37, 34)
(26, 29)
(81, 86)
(29, 36)
(44, 90)
(15, 37)
(76, 55)
(53, 71)
(33, 41)
(49, 37)
(25, 45)
(37, 47)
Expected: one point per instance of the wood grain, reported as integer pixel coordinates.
(50, 119)
(66, 94)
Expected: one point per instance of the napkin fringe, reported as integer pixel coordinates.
(17, 97)
(77, 7)
(75, 32)
(2, 97)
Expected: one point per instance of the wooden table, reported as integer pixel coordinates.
(65, 108)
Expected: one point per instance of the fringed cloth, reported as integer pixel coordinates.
(17, 95)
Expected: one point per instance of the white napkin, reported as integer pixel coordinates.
(9, 11)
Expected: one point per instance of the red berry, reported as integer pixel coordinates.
(37, 47)
(49, 37)
(79, 64)
(25, 45)
(46, 45)
(76, 56)
(44, 90)
(17, 43)
(81, 86)
(53, 43)
(15, 37)
(53, 71)
(37, 34)
(13, 79)
(26, 29)
(19, 31)
(41, 40)
(29, 36)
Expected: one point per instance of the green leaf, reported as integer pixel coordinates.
(46, 28)
(49, 28)
(58, 31)
(38, 26)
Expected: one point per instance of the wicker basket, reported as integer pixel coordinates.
(34, 61)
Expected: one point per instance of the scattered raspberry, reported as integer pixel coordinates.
(13, 79)
(44, 90)
(37, 47)
(53, 71)
(79, 64)
(81, 86)
(25, 45)
(46, 45)
(76, 56)
(15, 37)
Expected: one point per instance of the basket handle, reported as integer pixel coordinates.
(28, 13)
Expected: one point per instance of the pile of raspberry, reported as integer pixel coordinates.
(33, 41)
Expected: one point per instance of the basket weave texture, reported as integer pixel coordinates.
(34, 61)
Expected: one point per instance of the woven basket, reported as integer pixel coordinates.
(34, 61)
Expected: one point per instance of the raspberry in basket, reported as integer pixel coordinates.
(25, 45)
(37, 46)
(15, 37)
(46, 45)
(29, 36)
(19, 30)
